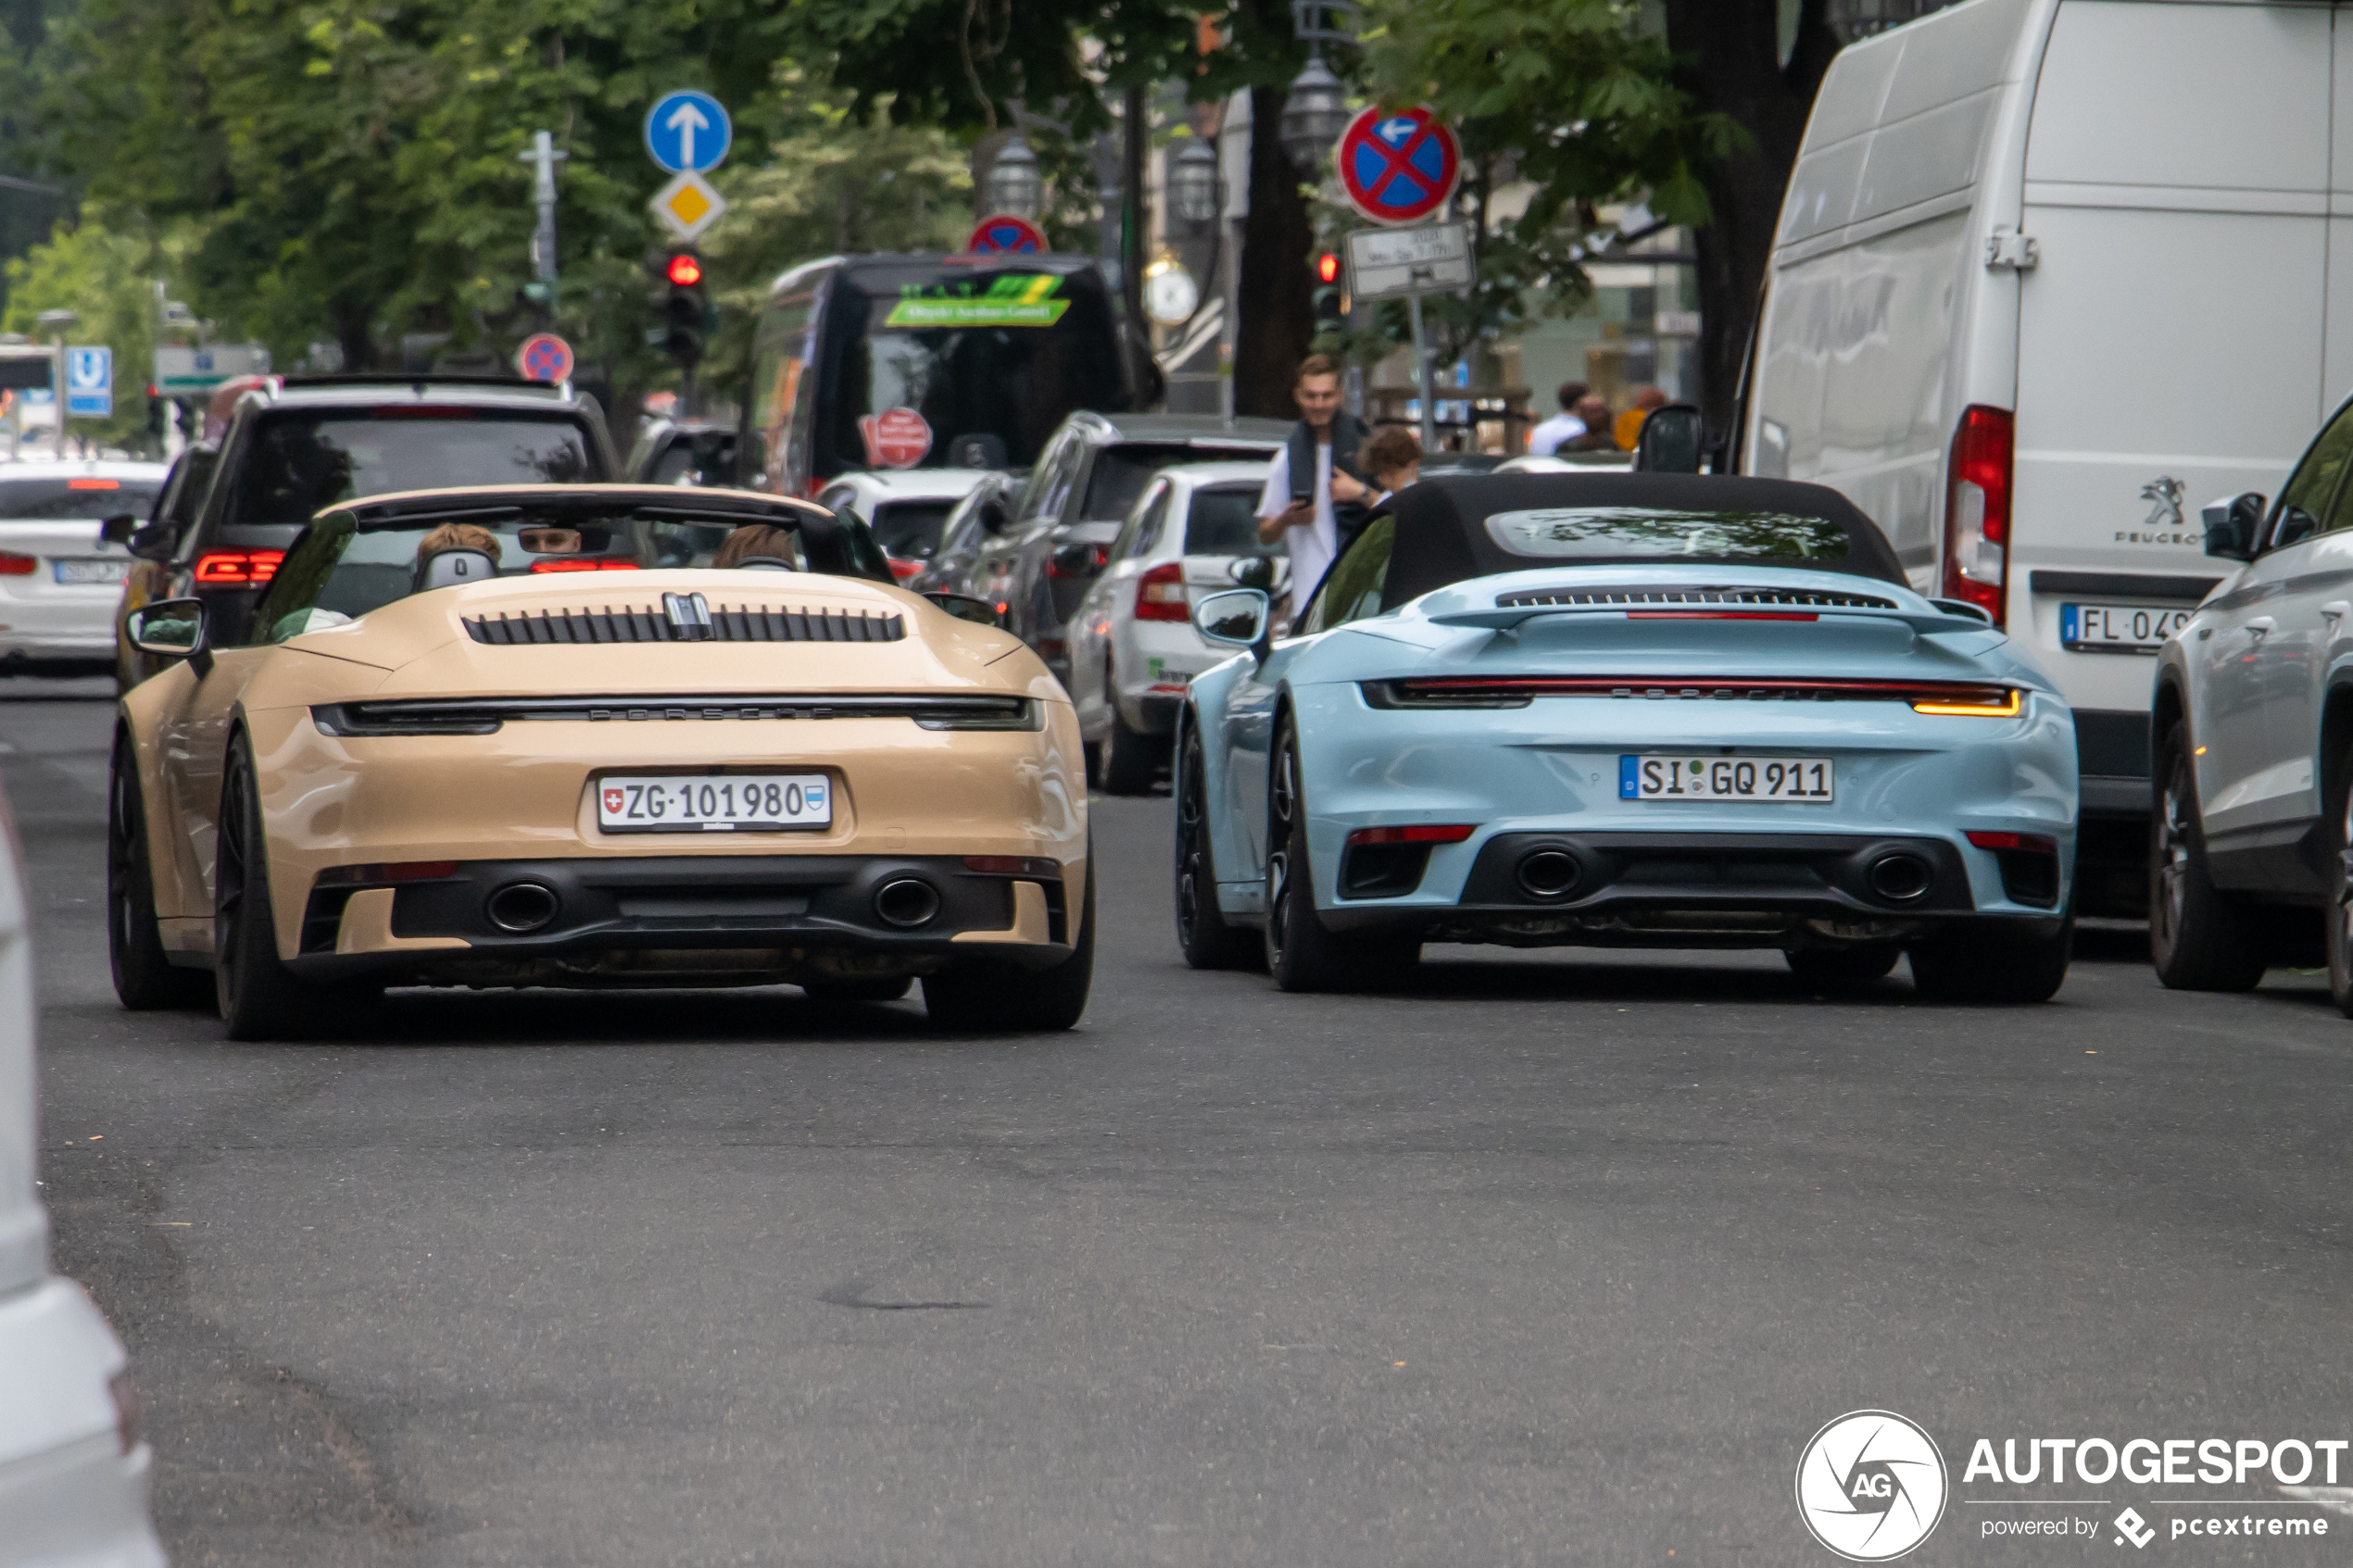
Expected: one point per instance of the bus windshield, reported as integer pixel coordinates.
(931, 362)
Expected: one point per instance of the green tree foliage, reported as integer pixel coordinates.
(1568, 99)
(104, 268)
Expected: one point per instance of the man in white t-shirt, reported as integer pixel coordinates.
(1563, 427)
(1306, 524)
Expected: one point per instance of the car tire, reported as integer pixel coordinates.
(259, 998)
(1130, 761)
(1842, 966)
(992, 994)
(2200, 938)
(1201, 931)
(145, 977)
(837, 993)
(1301, 954)
(1993, 962)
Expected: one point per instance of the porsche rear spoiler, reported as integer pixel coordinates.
(1510, 618)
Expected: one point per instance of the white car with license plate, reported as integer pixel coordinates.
(1194, 531)
(73, 1471)
(59, 583)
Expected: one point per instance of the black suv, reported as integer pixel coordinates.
(1088, 477)
(294, 446)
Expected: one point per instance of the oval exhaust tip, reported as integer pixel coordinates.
(906, 902)
(1900, 878)
(1549, 873)
(523, 907)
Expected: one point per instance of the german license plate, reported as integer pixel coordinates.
(715, 803)
(2120, 628)
(91, 570)
(1789, 779)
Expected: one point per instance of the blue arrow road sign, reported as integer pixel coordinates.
(687, 131)
(90, 383)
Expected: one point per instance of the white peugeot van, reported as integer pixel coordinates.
(2050, 274)
(73, 1471)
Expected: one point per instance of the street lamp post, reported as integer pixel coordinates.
(1013, 184)
(1315, 110)
(55, 323)
(1192, 182)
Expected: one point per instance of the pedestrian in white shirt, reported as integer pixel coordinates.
(1314, 515)
(1563, 427)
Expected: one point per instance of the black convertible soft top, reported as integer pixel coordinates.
(1443, 537)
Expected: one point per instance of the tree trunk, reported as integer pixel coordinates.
(1275, 306)
(1730, 63)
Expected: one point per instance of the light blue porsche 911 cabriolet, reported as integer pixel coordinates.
(1646, 709)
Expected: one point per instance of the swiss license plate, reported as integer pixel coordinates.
(91, 570)
(2120, 628)
(715, 803)
(1787, 779)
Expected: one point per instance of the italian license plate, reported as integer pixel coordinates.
(715, 803)
(2120, 628)
(91, 570)
(1792, 779)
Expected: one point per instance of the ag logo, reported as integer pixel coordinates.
(1870, 1486)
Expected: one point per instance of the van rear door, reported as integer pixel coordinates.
(2169, 335)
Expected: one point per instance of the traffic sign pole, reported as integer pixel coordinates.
(1421, 365)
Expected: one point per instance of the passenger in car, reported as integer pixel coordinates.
(756, 540)
(458, 536)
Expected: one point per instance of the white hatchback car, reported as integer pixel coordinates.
(906, 507)
(73, 1471)
(59, 583)
(1193, 531)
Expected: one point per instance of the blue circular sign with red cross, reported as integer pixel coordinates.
(1398, 166)
(543, 356)
(1004, 232)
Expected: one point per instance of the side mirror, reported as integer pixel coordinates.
(980, 612)
(1235, 617)
(170, 629)
(1253, 571)
(1670, 440)
(2232, 526)
(155, 542)
(118, 528)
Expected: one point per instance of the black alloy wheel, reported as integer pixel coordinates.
(1301, 954)
(2200, 938)
(145, 977)
(1201, 931)
(259, 998)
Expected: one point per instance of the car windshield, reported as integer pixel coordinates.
(74, 499)
(1121, 473)
(911, 529)
(1225, 523)
(1617, 533)
(303, 460)
(339, 572)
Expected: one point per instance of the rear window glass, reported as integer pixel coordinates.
(1121, 473)
(1619, 533)
(74, 499)
(300, 463)
(911, 530)
(1225, 523)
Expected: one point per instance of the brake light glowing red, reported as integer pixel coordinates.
(1977, 509)
(94, 485)
(237, 569)
(902, 569)
(1160, 594)
(14, 565)
(1420, 833)
(586, 563)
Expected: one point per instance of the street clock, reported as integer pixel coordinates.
(1170, 294)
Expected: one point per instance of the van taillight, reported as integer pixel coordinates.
(1977, 511)
(237, 569)
(1160, 594)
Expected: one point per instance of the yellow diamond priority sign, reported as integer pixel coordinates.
(688, 205)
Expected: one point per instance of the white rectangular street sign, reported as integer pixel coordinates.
(201, 370)
(1388, 263)
(90, 383)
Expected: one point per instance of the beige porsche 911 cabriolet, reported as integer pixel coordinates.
(595, 735)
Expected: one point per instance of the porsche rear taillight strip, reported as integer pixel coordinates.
(482, 716)
(1950, 698)
(631, 624)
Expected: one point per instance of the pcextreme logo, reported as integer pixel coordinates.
(1870, 1486)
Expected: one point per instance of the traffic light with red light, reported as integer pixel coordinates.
(1330, 312)
(685, 269)
(1328, 267)
(683, 309)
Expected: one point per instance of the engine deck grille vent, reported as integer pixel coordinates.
(653, 624)
(1675, 596)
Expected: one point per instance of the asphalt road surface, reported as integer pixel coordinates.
(1550, 1258)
